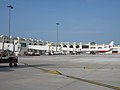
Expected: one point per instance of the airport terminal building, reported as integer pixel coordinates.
(23, 46)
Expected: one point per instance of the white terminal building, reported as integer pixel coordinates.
(23, 46)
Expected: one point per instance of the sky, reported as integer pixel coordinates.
(80, 20)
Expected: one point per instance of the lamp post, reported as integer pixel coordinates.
(9, 7)
(57, 35)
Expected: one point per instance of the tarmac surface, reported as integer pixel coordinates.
(62, 72)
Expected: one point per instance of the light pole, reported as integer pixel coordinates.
(10, 7)
(57, 35)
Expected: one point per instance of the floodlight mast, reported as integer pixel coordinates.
(9, 7)
(57, 36)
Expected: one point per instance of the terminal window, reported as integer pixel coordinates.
(85, 46)
(23, 45)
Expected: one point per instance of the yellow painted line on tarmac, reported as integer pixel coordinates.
(45, 70)
(49, 71)
(94, 82)
(73, 77)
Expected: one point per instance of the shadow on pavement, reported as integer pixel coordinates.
(6, 68)
(42, 65)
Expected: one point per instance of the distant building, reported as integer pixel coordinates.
(23, 46)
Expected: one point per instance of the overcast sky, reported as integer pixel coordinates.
(80, 20)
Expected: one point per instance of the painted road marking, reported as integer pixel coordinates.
(73, 77)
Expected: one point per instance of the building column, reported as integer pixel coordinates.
(103, 46)
(68, 46)
(80, 46)
(74, 47)
(89, 45)
(61, 46)
(118, 48)
(96, 46)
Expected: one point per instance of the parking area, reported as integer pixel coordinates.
(75, 72)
